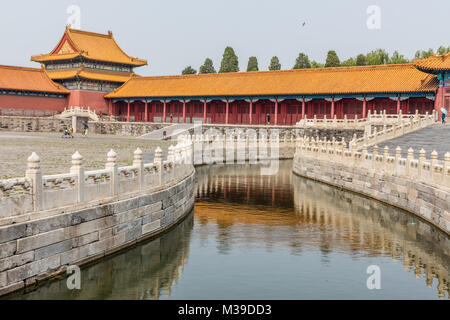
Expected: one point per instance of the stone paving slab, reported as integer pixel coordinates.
(55, 152)
(435, 137)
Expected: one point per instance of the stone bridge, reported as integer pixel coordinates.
(78, 116)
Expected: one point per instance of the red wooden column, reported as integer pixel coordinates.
(128, 111)
(110, 111)
(398, 105)
(250, 115)
(204, 111)
(364, 113)
(332, 108)
(164, 111)
(276, 112)
(303, 108)
(184, 111)
(226, 111)
(146, 111)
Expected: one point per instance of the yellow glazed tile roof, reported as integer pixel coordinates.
(89, 74)
(94, 46)
(28, 79)
(434, 62)
(342, 80)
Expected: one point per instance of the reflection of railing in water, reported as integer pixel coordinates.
(147, 271)
(350, 223)
(418, 239)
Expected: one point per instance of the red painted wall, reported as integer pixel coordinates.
(93, 99)
(29, 105)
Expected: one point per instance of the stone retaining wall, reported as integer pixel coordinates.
(38, 249)
(48, 223)
(34, 124)
(428, 201)
(125, 128)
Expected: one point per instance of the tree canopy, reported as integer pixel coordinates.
(332, 59)
(422, 54)
(443, 50)
(230, 61)
(252, 64)
(349, 62)
(397, 58)
(361, 60)
(302, 62)
(189, 70)
(376, 57)
(275, 63)
(207, 67)
(315, 64)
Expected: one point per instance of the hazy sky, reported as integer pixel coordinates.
(172, 34)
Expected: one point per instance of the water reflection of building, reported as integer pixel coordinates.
(325, 218)
(147, 271)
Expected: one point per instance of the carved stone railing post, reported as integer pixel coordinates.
(34, 173)
(157, 161)
(421, 161)
(171, 159)
(433, 163)
(446, 168)
(139, 163)
(111, 165)
(385, 157)
(409, 158)
(398, 154)
(78, 170)
(374, 157)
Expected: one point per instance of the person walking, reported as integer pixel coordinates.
(443, 117)
(85, 129)
(171, 118)
(268, 118)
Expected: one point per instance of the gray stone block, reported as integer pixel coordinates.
(40, 240)
(12, 232)
(16, 260)
(53, 249)
(8, 249)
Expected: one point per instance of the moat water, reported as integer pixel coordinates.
(273, 237)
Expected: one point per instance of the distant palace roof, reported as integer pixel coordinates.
(342, 80)
(87, 73)
(28, 79)
(434, 62)
(95, 46)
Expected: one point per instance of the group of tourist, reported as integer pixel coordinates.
(68, 132)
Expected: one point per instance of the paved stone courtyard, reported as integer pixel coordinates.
(435, 137)
(55, 152)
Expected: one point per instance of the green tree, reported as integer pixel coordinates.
(302, 62)
(275, 63)
(207, 67)
(252, 64)
(189, 70)
(361, 60)
(350, 62)
(421, 54)
(397, 58)
(229, 62)
(332, 59)
(315, 65)
(377, 57)
(442, 50)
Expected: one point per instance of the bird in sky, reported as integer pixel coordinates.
(303, 24)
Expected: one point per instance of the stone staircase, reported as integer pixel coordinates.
(172, 132)
(434, 137)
